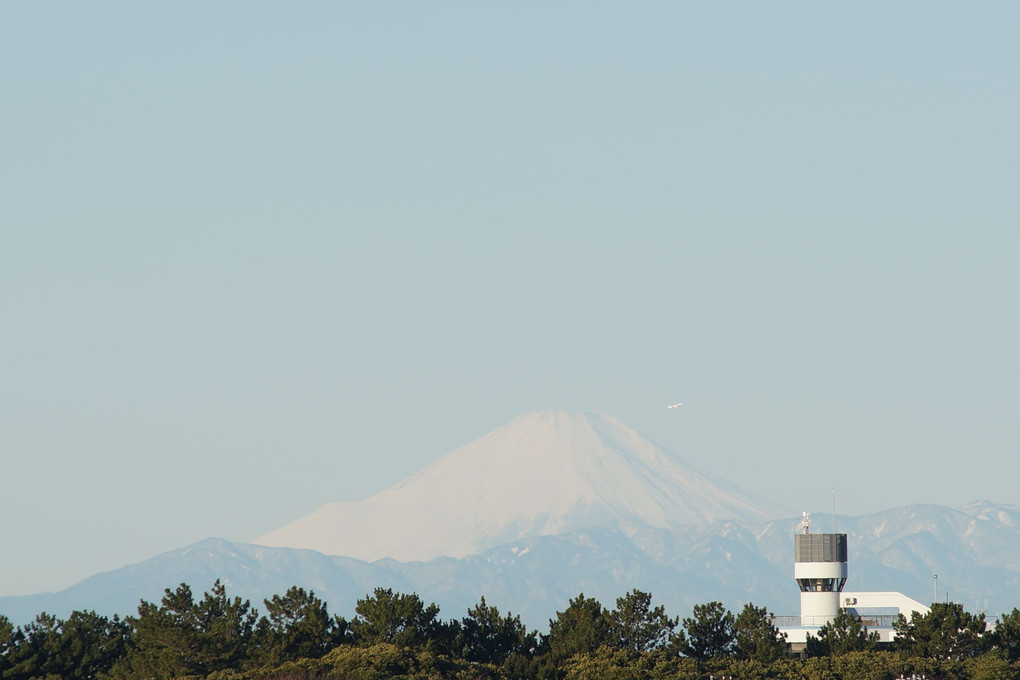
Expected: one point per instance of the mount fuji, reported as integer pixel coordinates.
(554, 504)
(545, 473)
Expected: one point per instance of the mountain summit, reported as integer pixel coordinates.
(543, 473)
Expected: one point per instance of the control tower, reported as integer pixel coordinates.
(820, 570)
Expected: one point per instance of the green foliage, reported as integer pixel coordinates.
(638, 627)
(371, 662)
(226, 625)
(31, 647)
(183, 637)
(395, 618)
(89, 645)
(1006, 635)
(709, 631)
(582, 627)
(842, 635)
(756, 636)
(734, 667)
(947, 631)
(84, 646)
(859, 665)
(222, 638)
(676, 668)
(607, 663)
(520, 666)
(386, 661)
(992, 665)
(302, 669)
(298, 626)
(485, 636)
(7, 642)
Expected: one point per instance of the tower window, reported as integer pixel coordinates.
(816, 585)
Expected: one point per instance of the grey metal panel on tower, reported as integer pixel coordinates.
(819, 547)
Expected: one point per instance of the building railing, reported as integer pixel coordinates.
(881, 621)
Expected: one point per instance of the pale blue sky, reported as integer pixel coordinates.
(256, 257)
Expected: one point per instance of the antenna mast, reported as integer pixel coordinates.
(833, 509)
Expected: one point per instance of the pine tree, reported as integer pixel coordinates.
(396, 618)
(638, 627)
(844, 634)
(183, 637)
(297, 626)
(487, 637)
(582, 627)
(1006, 635)
(7, 643)
(756, 636)
(709, 632)
(947, 631)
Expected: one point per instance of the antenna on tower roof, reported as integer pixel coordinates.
(805, 523)
(833, 509)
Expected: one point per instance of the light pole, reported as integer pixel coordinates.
(936, 588)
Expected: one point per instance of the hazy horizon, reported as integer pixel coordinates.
(260, 257)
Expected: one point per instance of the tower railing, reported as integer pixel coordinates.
(880, 621)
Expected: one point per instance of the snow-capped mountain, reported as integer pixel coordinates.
(555, 504)
(545, 473)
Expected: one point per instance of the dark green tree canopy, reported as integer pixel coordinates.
(582, 627)
(32, 647)
(947, 631)
(217, 637)
(7, 631)
(183, 637)
(297, 626)
(487, 637)
(756, 636)
(637, 626)
(396, 618)
(709, 631)
(83, 646)
(1006, 635)
(843, 635)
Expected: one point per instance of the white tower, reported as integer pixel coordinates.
(820, 570)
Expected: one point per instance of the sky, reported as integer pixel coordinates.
(257, 257)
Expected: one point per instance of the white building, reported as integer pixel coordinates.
(820, 568)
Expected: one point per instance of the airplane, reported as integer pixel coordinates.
(674, 405)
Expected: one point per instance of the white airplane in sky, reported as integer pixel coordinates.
(674, 405)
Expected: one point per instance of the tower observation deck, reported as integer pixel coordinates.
(821, 570)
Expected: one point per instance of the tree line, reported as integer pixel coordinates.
(396, 635)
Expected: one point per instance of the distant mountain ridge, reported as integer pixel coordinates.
(554, 504)
(544, 473)
(733, 562)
